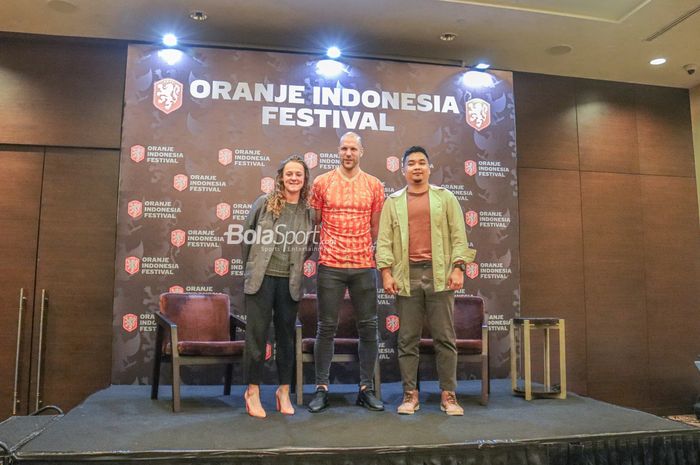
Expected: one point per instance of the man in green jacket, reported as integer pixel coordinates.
(422, 250)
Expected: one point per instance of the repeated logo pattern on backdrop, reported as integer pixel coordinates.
(202, 139)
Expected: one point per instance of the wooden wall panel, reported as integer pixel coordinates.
(551, 250)
(76, 267)
(672, 276)
(545, 108)
(607, 126)
(664, 131)
(615, 287)
(20, 197)
(61, 93)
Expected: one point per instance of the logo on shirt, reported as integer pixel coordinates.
(268, 351)
(478, 113)
(167, 95)
(392, 323)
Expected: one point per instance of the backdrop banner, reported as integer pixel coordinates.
(203, 137)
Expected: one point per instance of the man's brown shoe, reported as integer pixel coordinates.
(410, 403)
(449, 405)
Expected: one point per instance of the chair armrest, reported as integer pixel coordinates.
(485, 335)
(164, 324)
(236, 321)
(164, 321)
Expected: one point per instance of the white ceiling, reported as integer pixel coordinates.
(607, 36)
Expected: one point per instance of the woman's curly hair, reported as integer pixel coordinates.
(276, 198)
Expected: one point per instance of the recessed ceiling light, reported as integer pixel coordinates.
(448, 36)
(333, 52)
(170, 40)
(482, 66)
(199, 15)
(62, 6)
(657, 61)
(561, 49)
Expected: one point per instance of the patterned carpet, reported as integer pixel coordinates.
(687, 419)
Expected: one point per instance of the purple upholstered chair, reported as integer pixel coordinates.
(471, 328)
(195, 329)
(346, 340)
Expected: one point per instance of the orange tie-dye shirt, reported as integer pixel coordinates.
(346, 207)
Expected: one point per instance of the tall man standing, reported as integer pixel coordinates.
(421, 251)
(348, 203)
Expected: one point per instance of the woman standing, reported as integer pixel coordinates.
(273, 278)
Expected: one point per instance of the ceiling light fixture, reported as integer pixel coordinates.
(199, 15)
(448, 36)
(170, 40)
(657, 61)
(561, 49)
(333, 52)
(61, 6)
(482, 66)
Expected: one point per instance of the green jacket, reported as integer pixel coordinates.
(447, 236)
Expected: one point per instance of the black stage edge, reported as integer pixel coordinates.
(122, 425)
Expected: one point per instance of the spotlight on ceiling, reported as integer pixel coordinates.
(482, 66)
(169, 40)
(170, 55)
(333, 52)
(657, 61)
(199, 15)
(330, 68)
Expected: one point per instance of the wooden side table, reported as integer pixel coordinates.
(524, 326)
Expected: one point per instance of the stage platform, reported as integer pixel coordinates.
(122, 425)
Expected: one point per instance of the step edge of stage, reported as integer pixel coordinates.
(301, 451)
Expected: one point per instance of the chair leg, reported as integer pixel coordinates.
(176, 385)
(157, 358)
(300, 380)
(155, 378)
(378, 381)
(227, 379)
(484, 380)
(299, 364)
